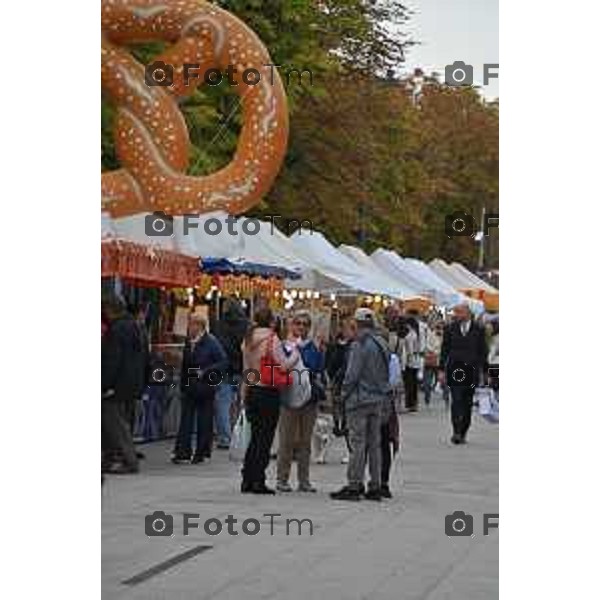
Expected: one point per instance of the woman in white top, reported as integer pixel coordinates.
(433, 348)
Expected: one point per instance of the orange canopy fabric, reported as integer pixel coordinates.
(148, 266)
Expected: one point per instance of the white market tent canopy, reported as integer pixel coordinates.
(196, 243)
(333, 264)
(420, 276)
(397, 286)
(443, 270)
(323, 268)
(476, 281)
(207, 239)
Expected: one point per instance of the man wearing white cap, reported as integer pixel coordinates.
(364, 391)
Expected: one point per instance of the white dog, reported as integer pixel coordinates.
(323, 437)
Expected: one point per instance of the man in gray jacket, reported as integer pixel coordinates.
(364, 392)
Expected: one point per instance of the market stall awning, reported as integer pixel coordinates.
(228, 267)
(476, 282)
(336, 266)
(466, 285)
(399, 286)
(147, 266)
(419, 276)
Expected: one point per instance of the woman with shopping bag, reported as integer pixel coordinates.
(266, 374)
(299, 412)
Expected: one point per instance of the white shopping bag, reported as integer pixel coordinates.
(240, 438)
(299, 393)
(489, 407)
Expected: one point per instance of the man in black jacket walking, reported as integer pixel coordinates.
(462, 360)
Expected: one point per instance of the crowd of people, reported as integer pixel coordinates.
(374, 370)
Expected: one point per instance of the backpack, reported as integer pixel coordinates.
(394, 367)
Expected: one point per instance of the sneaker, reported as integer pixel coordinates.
(197, 458)
(456, 439)
(345, 459)
(373, 494)
(346, 493)
(307, 487)
(283, 486)
(385, 492)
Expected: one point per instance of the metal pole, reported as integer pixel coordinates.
(482, 241)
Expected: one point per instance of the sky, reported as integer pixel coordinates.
(451, 30)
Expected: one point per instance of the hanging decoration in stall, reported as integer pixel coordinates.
(244, 285)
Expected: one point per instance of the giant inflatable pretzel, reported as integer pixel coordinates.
(151, 137)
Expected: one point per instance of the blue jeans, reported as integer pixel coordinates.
(224, 397)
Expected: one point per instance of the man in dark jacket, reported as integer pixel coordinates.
(365, 390)
(124, 358)
(204, 364)
(462, 360)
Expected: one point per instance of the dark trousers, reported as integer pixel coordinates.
(196, 407)
(386, 453)
(116, 434)
(461, 409)
(411, 388)
(262, 411)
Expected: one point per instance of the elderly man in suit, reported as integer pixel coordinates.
(203, 367)
(462, 360)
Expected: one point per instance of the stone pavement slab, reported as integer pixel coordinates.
(394, 550)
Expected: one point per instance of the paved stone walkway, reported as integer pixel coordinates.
(394, 550)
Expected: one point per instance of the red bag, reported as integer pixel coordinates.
(270, 374)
